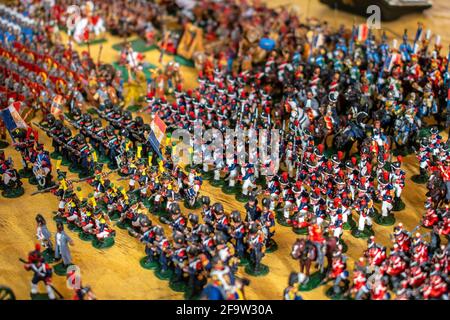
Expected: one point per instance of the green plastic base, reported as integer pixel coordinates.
(207, 175)
(104, 244)
(244, 261)
(241, 197)
(49, 255)
(366, 233)
(32, 180)
(134, 108)
(55, 155)
(188, 295)
(344, 246)
(385, 221)
(262, 270)
(163, 275)
(217, 183)
(60, 269)
(196, 205)
(420, 179)
(138, 45)
(374, 213)
(350, 224)
(114, 216)
(74, 169)
(148, 265)
(13, 193)
(230, 190)
(86, 236)
(39, 296)
(73, 227)
(314, 281)
(280, 219)
(261, 180)
(124, 225)
(272, 246)
(25, 173)
(3, 144)
(65, 162)
(178, 286)
(300, 231)
(93, 42)
(398, 205)
(83, 175)
(336, 296)
(60, 219)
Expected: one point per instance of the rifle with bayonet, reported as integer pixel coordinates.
(89, 133)
(58, 140)
(104, 174)
(118, 122)
(54, 289)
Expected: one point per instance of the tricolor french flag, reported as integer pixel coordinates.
(363, 32)
(12, 119)
(393, 59)
(157, 133)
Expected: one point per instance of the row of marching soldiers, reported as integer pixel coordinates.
(414, 268)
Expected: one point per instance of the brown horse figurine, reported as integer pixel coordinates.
(436, 189)
(305, 251)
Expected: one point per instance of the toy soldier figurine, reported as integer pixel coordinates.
(10, 179)
(360, 289)
(42, 168)
(253, 212)
(238, 233)
(398, 182)
(338, 274)
(292, 292)
(45, 238)
(41, 272)
(424, 157)
(386, 192)
(362, 205)
(62, 241)
(256, 248)
(268, 225)
(232, 172)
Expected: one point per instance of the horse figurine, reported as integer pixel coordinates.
(436, 189)
(306, 252)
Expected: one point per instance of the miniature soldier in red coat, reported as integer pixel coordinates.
(41, 272)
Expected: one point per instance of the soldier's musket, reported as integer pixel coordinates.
(54, 289)
(133, 132)
(51, 135)
(90, 133)
(46, 189)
